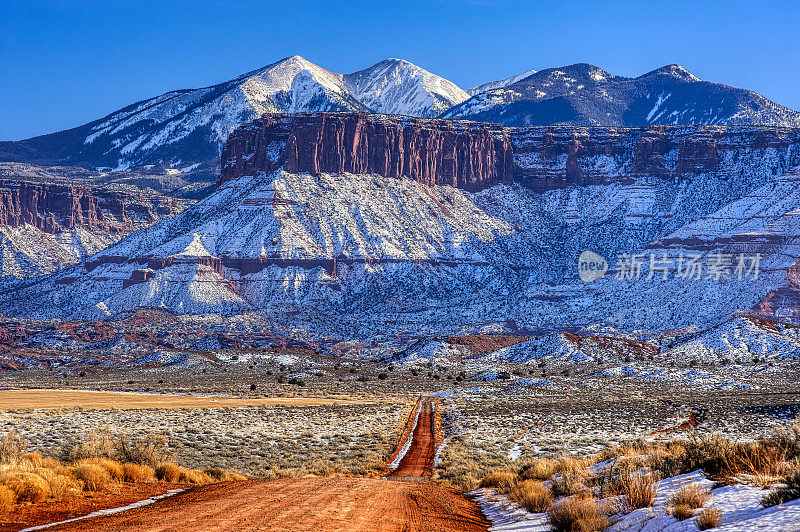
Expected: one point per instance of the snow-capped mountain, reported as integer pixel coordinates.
(583, 94)
(395, 86)
(499, 84)
(186, 127)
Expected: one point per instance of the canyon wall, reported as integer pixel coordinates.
(466, 155)
(53, 208)
(474, 156)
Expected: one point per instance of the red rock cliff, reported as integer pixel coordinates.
(473, 155)
(54, 207)
(435, 152)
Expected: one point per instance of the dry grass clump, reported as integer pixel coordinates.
(638, 490)
(114, 469)
(690, 497)
(138, 473)
(220, 475)
(33, 478)
(538, 469)
(789, 491)
(27, 487)
(170, 472)
(531, 495)
(681, 512)
(61, 482)
(569, 482)
(723, 459)
(581, 513)
(7, 499)
(708, 518)
(570, 464)
(500, 480)
(93, 477)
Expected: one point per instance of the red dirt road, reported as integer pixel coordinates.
(311, 504)
(314, 504)
(418, 461)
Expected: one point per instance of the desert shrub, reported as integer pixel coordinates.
(569, 483)
(500, 480)
(638, 491)
(538, 469)
(788, 492)
(725, 459)
(27, 487)
(532, 495)
(95, 445)
(168, 472)
(463, 467)
(569, 464)
(59, 480)
(12, 448)
(7, 499)
(692, 496)
(708, 518)
(150, 450)
(220, 475)
(580, 513)
(137, 473)
(114, 468)
(193, 476)
(93, 476)
(681, 512)
(787, 439)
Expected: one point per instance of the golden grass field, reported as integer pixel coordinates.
(101, 400)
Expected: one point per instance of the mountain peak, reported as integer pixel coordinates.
(397, 86)
(396, 61)
(673, 71)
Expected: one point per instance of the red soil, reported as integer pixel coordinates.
(310, 504)
(28, 515)
(418, 461)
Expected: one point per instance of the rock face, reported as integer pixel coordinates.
(45, 226)
(474, 156)
(465, 155)
(54, 208)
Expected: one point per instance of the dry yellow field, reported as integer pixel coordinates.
(92, 399)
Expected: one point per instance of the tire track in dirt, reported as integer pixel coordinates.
(418, 461)
(318, 504)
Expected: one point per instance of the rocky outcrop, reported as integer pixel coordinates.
(466, 155)
(554, 157)
(53, 208)
(474, 156)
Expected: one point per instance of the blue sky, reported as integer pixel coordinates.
(64, 63)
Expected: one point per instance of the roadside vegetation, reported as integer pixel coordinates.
(97, 463)
(584, 493)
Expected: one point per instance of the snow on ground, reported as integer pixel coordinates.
(740, 506)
